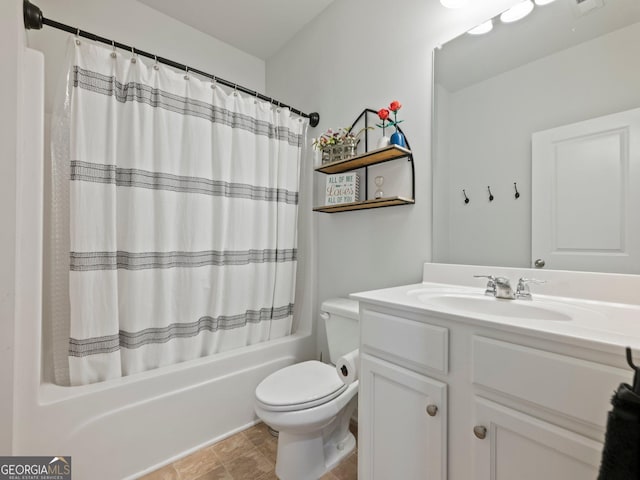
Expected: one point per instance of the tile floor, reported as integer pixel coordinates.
(248, 455)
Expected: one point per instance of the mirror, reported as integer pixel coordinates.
(566, 62)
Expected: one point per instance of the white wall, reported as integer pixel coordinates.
(11, 45)
(365, 53)
(490, 127)
(133, 23)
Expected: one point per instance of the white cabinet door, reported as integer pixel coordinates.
(585, 195)
(518, 446)
(402, 422)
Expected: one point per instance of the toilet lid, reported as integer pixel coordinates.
(304, 385)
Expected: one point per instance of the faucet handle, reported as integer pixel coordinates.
(522, 290)
(491, 284)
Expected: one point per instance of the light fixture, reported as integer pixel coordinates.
(483, 28)
(517, 12)
(453, 3)
(543, 2)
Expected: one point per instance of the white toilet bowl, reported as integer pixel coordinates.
(310, 407)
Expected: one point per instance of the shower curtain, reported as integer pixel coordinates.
(175, 211)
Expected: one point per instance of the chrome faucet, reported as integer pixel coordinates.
(499, 287)
(491, 284)
(503, 288)
(522, 290)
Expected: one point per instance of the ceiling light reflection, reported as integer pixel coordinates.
(517, 12)
(453, 3)
(483, 28)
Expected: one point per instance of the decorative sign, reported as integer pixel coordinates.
(342, 188)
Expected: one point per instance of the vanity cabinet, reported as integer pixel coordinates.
(402, 410)
(509, 406)
(403, 423)
(512, 445)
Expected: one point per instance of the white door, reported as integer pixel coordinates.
(586, 195)
(517, 446)
(402, 422)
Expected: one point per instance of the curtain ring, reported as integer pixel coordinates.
(235, 89)
(133, 55)
(155, 65)
(113, 54)
(213, 82)
(78, 36)
(186, 72)
(255, 101)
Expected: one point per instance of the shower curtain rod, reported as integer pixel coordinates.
(33, 19)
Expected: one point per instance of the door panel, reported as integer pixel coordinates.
(585, 213)
(518, 446)
(398, 438)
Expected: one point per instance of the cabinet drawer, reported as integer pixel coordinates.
(407, 342)
(573, 387)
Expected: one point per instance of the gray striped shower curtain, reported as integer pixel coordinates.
(175, 210)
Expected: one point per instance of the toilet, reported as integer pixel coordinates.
(310, 406)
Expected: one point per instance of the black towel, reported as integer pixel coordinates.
(621, 453)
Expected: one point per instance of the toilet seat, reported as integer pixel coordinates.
(300, 386)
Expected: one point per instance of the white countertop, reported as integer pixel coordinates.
(605, 326)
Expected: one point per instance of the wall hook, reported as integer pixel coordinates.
(466, 199)
(517, 195)
(636, 371)
(490, 194)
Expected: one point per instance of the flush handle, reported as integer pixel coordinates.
(432, 410)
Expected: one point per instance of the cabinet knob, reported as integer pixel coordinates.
(432, 410)
(480, 432)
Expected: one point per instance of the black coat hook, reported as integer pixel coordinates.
(466, 199)
(490, 194)
(517, 192)
(636, 370)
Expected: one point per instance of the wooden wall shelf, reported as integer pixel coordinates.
(374, 203)
(373, 157)
(366, 160)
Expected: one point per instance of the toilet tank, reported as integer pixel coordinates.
(340, 316)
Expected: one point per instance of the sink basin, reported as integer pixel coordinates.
(485, 305)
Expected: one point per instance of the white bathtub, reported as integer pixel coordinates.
(131, 426)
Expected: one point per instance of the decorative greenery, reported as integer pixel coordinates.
(340, 137)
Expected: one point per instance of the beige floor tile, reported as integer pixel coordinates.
(219, 473)
(248, 455)
(165, 473)
(232, 447)
(347, 469)
(268, 476)
(258, 434)
(250, 465)
(197, 464)
(329, 476)
(269, 449)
